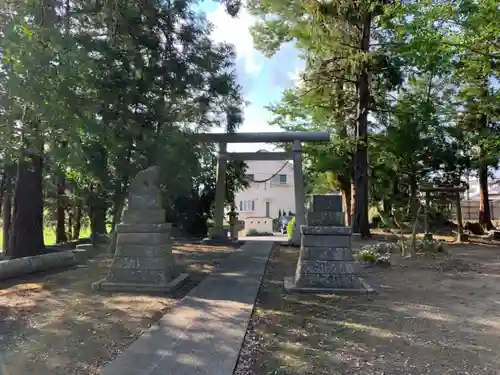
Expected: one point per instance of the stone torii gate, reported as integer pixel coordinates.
(222, 139)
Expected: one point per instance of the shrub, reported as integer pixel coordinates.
(431, 245)
(255, 233)
(379, 253)
(383, 248)
(367, 256)
(290, 227)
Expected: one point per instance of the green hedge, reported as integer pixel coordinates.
(256, 233)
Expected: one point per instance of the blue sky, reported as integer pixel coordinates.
(262, 79)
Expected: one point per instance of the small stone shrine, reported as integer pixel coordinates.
(326, 264)
(143, 260)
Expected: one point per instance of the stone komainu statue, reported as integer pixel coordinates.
(144, 192)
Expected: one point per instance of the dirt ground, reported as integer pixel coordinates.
(431, 316)
(53, 324)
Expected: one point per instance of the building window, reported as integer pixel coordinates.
(280, 179)
(247, 206)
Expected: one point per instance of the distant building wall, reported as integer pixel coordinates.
(267, 198)
(260, 224)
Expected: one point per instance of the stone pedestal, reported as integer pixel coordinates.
(326, 264)
(328, 203)
(143, 260)
(325, 218)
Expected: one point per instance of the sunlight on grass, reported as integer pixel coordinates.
(425, 312)
(49, 235)
(22, 288)
(383, 333)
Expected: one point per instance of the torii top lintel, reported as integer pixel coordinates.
(263, 137)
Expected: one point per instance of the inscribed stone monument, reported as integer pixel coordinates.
(326, 264)
(143, 259)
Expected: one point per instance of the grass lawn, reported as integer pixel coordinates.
(49, 235)
(431, 316)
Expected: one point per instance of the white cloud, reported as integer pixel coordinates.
(236, 30)
(296, 77)
(256, 121)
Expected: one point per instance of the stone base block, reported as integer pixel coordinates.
(308, 240)
(330, 280)
(325, 230)
(151, 216)
(144, 239)
(327, 203)
(325, 219)
(144, 228)
(332, 253)
(306, 266)
(106, 286)
(141, 275)
(293, 288)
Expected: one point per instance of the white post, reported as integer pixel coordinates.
(299, 192)
(220, 192)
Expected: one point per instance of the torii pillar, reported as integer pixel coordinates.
(298, 176)
(217, 232)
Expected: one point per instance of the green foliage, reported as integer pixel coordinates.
(102, 92)
(368, 256)
(433, 87)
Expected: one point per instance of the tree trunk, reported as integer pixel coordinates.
(121, 187)
(484, 201)
(2, 187)
(70, 224)
(387, 207)
(26, 233)
(61, 210)
(98, 220)
(7, 209)
(344, 178)
(77, 223)
(98, 214)
(353, 199)
(414, 204)
(360, 220)
(345, 189)
(118, 205)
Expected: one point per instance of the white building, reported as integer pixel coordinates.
(473, 193)
(269, 198)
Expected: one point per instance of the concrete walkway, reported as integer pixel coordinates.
(276, 238)
(203, 333)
